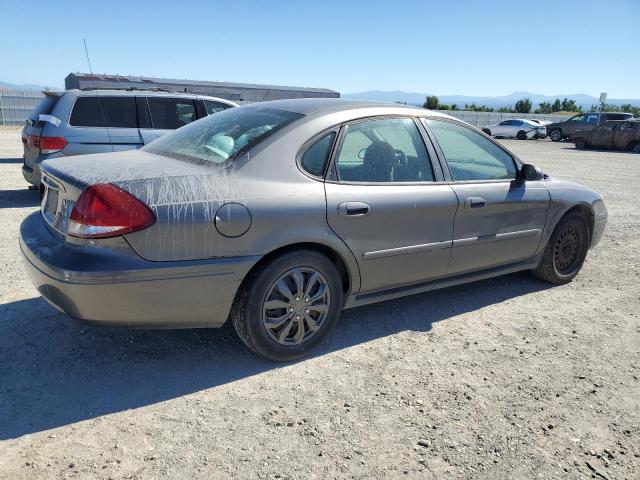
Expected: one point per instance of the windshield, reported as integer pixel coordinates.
(219, 137)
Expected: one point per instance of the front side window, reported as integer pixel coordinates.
(469, 155)
(578, 119)
(384, 150)
(171, 113)
(218, 138)
(592, 119)
(215, 107)
(629, 125)
(112, 112)
(315, 157)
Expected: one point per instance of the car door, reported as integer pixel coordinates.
(102, 123)
(500, 218)
(166, 114)
(625, 135)
(602, 136)
(503, 129)
(385, 202)
(578, 122)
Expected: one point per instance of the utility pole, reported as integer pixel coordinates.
(603, 99)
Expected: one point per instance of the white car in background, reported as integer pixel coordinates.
(516, 128)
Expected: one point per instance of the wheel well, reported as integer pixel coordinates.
(587, 213)
(335, 258)
(632, 144)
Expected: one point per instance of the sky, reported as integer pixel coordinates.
(480, 48)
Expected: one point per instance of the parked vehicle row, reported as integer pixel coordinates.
(277, 215)
(78, 122)
(521, 129)
(614, 134)
(583, 122)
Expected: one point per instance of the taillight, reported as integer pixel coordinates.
(52, 144)
(47, 144)
(104, 210)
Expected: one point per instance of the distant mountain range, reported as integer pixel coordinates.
(27, 86)
(413, 98)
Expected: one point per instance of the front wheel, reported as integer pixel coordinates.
(555, 135)
(288, 307)
(487, 131)
(521, 135)
(636, 147)
(581, 144)
(565, 252)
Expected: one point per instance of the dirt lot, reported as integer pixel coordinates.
(505, 378)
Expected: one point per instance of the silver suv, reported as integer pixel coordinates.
(78, 122)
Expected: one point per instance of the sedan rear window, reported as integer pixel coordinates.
(220, 137)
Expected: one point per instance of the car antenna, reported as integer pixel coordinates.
(93, 79)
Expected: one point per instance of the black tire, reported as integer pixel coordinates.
(521, 135)
(581, 144)
(487, 131)
(555, 135)
(560, 262)
(247, 313)
(635, 148)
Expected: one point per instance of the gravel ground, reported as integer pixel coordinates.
(504, 378)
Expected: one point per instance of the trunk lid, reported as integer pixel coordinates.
(184, 198)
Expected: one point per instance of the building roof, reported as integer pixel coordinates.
(149, 81)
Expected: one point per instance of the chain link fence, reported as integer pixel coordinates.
(16, 105)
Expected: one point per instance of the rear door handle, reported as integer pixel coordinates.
(354, 209)
(474, 202)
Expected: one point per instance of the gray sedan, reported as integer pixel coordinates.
(277, 215)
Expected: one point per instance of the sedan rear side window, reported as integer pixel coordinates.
(384, 150)
(469, 155)
(315, 157)
(220, 137)
(112, 112)
(171, 113)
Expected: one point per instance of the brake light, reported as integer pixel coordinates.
(52, 144)
(104, 210)
(47, 144)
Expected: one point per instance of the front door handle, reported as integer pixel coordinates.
(474, 202)
(354, 209)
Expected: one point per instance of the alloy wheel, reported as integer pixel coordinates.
(296, 306)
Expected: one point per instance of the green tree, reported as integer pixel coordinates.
(569, 106)
(523, 105)
(443, 107)
(431, 103)
(544, 107)
(557, 106)
(454, 107)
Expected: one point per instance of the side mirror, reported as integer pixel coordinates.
(531, 172)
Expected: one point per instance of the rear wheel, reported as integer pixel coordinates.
(635, 148)
(555, 135)
(487, 131)
(581, 143)
(565, 252)
(288, 307)
(521, 135)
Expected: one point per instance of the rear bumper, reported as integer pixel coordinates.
(115, 286)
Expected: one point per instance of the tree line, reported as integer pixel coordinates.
(524, 105)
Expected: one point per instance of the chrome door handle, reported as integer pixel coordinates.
(474, 202)
(354, 209)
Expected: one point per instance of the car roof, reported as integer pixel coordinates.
(309, 106)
